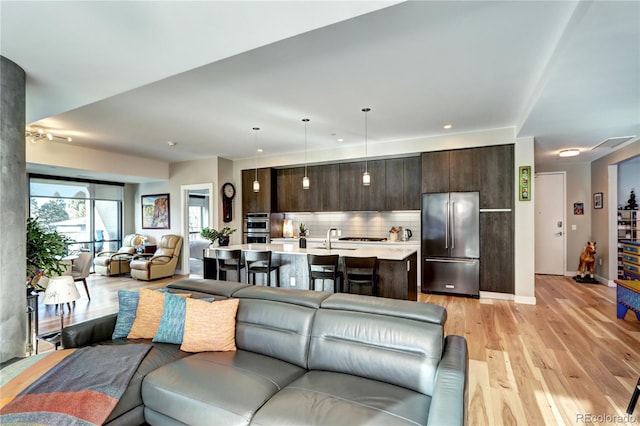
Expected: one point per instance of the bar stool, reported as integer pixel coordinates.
(361, 271)
(324, 267)
(229, 260)
(259, 262)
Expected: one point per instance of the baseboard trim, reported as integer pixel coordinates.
(525, 300)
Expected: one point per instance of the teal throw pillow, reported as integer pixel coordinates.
(171, 328)
(128, 301)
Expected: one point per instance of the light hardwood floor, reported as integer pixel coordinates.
(567, 360)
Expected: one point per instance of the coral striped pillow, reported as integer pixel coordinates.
(210, 326)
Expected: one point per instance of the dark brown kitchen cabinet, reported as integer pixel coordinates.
(497, 252)
(290, 195)
(265, 199)
(354, 196)
(496, 174)
(350, 190)
(373, 196)
(403, 183)
(450, 171)
(324, 188)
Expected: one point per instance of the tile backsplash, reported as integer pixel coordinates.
(357, 224)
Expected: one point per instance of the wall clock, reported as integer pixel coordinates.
(228, 192)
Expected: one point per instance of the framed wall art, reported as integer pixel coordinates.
(524, 179)
(597, 200)
(155, 211)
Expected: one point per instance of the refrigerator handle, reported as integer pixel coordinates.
(446, 228)
(453, 224)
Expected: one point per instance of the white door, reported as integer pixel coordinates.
(550, 223)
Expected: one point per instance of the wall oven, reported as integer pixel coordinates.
(256, 228)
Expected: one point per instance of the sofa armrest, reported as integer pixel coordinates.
(89, 332)
(449, 400)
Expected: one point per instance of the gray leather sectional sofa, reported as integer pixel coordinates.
(303, 357)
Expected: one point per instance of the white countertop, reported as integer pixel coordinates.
(335, 242)
(315, 247)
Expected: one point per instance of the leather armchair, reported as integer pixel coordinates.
(117, 262)
(161, 264)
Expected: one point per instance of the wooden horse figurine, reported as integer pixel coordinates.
(587, 259)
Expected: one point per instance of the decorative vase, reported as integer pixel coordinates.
(223, 240)
(302, 242)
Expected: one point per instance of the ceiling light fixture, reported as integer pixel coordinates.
(39, 133)
(172, 143)
(569, 152)
(256, 184)
(305, 179)
(366, 177)
(447, 126)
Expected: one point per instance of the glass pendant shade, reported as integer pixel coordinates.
(305, 182)
(366, 179)
(256, 186)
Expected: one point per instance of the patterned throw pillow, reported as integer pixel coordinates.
(210, 326)
(128, 301)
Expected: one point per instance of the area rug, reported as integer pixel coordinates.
(79, 387)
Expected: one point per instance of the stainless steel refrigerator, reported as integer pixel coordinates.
(451, 243)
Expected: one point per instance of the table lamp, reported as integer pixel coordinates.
(61, 290)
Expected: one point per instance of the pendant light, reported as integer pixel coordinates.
(305, 179)
(366, 177)
(256, 184)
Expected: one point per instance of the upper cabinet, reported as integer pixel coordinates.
(403, 177)
(450, 171)
(262, 201)
(488, 170)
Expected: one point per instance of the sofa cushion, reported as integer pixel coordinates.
(220, 387)
(279, 330)
(210, 326)
(322, 397)
(204, 287)
(399, 351)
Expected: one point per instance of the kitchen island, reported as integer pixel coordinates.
(397, 267)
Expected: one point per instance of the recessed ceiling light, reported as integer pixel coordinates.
(172, 143)
(448, 126)
(340, 140)
(569, 153)
(259, 149)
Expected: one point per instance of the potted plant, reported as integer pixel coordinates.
(302, 242)
(222, 236)
(45, 250)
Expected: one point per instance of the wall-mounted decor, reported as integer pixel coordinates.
(597, 200)
(524, 177)
(155, 211)
(578, 209)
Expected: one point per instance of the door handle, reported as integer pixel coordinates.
(453, 225)
(558, 234)
(446, 228)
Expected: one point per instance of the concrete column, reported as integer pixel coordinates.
(13, 211)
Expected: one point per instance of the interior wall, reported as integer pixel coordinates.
(607, 246)
(578, 191)
(181, 173)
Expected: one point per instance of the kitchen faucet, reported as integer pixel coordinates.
(329, 237)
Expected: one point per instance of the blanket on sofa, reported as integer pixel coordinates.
(71, 387)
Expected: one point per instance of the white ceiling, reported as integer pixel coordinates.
(130, 76)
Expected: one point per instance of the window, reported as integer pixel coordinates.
(88, 212)
(198, 214)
